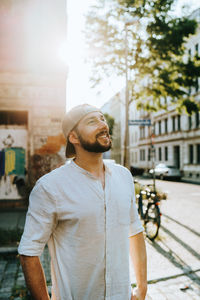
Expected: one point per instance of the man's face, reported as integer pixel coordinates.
(93, 133)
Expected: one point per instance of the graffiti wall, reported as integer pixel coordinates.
(13, 157)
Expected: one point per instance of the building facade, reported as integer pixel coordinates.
(32, 92)
(175, 137)
(114, 107)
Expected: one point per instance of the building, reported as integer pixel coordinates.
(32, 92)
(115, 108)
(176, 137)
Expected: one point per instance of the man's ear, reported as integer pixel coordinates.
(73, 137)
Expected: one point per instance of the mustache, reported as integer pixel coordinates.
(103, 132)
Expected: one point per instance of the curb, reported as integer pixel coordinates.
(186, 180)
(8, 250)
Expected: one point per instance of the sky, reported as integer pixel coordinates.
(79, 88)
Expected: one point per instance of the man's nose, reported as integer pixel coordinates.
(103, 125)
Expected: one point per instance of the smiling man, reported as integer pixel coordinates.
(85, 211)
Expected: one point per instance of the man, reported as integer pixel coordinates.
(85, 211)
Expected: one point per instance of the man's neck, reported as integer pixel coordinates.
(92, 163)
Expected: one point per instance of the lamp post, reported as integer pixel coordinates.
(126, 157)
(126, 136)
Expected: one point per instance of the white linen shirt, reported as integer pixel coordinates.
(86, 228)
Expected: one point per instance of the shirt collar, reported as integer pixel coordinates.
(107, 169)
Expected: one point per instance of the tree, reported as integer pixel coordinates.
(110, 121)
(160, 72)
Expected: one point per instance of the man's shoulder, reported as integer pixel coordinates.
(54, 175)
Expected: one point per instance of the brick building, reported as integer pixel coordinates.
(32, 91)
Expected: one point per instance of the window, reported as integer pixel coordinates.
(160, 153)
(166, 125)
(136, 157)
(136, 137)
(132, 157)
(189, 53)
(149, 154)
(13, 117)
(142, 155)
(179, 122)
(166, 153)
(191, 157)
(159, 127)
(142, 132)
(132, 138)
(189, 122)
(197, 119)
(198, 153)
(174, 123)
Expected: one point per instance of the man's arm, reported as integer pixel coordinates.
(139, 260)
(34, 276)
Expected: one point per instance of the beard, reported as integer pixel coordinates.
(95, 147)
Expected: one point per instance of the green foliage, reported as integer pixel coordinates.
(111, 121)
(20, 292)
(159, 68)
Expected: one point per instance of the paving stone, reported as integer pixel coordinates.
(8, 282)
(4, 296)
(2, 268)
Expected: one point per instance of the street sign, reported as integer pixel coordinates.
(139, 122)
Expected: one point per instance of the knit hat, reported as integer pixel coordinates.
(71, 119)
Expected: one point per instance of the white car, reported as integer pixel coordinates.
(163, 171)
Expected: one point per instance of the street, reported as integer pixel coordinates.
(173, 258)
(176, 251)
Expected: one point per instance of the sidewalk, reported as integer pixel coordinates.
(12, 284)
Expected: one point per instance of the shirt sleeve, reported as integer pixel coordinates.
(40, 221)
(135, 224)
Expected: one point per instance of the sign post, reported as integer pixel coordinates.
(143, 122)
(153, 158)
(147, 122)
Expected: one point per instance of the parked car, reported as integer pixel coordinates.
(163, 171)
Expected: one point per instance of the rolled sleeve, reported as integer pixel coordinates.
(40, 221)
(135, 225)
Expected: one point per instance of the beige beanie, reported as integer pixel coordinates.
(71, 119)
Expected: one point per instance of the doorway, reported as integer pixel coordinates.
(177, 156)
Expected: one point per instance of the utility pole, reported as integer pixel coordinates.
(126, 157)
(153, 155)
(126, 137)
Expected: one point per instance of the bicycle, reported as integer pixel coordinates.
(149, 210)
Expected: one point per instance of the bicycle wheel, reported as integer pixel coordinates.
(152, 221)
